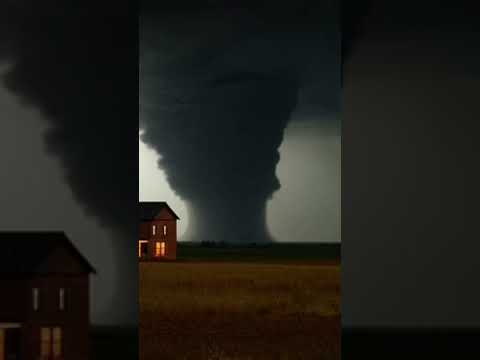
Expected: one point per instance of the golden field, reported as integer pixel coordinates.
(236, 310)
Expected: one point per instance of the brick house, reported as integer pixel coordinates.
(44, 302)
(158, 232)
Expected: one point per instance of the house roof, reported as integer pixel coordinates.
(23, 252)
(149, 210)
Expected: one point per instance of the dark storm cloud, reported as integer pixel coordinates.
(354, 15)
(218, 87)
(75, 64)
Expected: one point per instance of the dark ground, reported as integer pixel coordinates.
(117, 343)
(271, 253)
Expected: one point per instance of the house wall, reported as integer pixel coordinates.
(13, 299)
(74, 320)
(170, 239)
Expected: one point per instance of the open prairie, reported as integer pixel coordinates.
(239, 310)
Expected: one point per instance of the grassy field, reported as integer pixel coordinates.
(212, 307)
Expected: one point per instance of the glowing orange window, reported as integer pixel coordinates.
(51, 342)
(159, 248)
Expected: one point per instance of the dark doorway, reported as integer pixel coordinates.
(144, 249)
(12, 344)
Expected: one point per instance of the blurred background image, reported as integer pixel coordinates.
(69, 107)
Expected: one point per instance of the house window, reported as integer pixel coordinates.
(57, 342)
(51, 342)
(45, 342)
(154, 229)
(164, 229)
(35, 298)
(61, 299)
(159, 249)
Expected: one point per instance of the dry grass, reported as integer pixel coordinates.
(239, 311)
